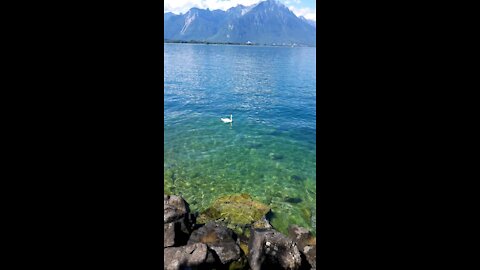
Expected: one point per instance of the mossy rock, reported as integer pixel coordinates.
(244, 247)
(262, 223)
(236, 210)
(240, 264)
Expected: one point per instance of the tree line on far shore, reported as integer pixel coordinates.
(231, 43)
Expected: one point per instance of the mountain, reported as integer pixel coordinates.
(265, 23)
(311, 22)
(167, 16)
(196, 24)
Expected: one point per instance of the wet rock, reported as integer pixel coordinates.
(297, 178)
(310, 253)
(236, 211)
(174, 207)
(275, 156)
(169, 234)
(306, 241)
(313, 219)
(292, 200)
(243, 246)
(220, 239)
(302, 236)
(193, 255)
(262, 223)
(177, 221)
(269, 249)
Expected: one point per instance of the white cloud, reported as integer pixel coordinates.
(182, 6)
(288, 2)
(308, 13)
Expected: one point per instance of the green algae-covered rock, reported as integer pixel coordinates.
(236, 210)
(262, 223)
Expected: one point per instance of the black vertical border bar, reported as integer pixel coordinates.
(319, 143)
(160, 37)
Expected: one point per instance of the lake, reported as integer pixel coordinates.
(269, 151)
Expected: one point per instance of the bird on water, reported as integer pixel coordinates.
(227, 120)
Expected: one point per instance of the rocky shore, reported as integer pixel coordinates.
(232, 234)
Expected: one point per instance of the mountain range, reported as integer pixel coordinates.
(266, 22)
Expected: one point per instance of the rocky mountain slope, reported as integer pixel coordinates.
(267, 22)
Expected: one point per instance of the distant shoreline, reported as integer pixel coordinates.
(232, 43)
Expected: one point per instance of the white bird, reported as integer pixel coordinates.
(227, 120)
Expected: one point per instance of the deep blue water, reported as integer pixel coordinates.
(270, 149)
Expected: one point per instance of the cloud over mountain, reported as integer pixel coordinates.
(182, 6)
(266, 22)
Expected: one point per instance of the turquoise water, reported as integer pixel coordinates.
(269, 151)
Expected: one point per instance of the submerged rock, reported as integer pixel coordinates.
(269, 249)
(222, 241)
(177, 221)
(297, 178)
(237, 210)
(275, 156)
(293, 200)
(243, 246)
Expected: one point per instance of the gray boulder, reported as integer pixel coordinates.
(174, 208)
(269, 249)
(221, 240)
(310, 253)
(184, 257)
(307, 243)
(177, 221)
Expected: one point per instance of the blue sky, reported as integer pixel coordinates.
(300, 3)
(304, 8)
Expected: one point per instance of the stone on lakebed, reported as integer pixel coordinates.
(237, 209)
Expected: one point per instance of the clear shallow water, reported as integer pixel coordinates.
(268, 152)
